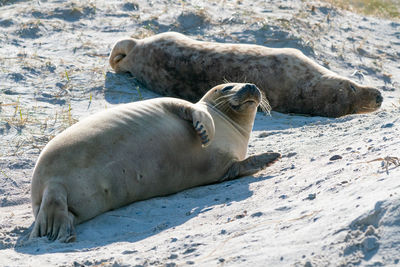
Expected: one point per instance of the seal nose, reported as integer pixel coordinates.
(251, 88)
(379, 99)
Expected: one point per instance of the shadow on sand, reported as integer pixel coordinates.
(123, 88)
(143, 219)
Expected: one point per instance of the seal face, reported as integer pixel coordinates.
(141, 150)
(175, 65)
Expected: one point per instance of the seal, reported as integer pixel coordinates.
(141, 150)
(174, 65)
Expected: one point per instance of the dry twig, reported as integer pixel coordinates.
(387, 161)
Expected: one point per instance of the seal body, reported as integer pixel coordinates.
(175, 65)
(140, 150)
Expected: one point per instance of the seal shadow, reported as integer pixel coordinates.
(143, 219)
(124, 88)
(277, 121)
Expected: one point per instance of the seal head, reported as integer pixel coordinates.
(339, 96)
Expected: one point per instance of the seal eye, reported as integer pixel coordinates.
(227, 88)
(353, 88)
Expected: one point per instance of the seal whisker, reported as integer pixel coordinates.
(225, 80)
(264, 106)
(223, 106)
(223, 100)
(227, 96)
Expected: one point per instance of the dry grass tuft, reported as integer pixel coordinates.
(378, 8)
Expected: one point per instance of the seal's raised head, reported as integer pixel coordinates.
(235, 99)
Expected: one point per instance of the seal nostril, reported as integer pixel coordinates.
(246, 87)
(379, 99)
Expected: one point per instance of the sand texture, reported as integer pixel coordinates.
(332, 200)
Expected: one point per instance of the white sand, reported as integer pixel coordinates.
(305, 210)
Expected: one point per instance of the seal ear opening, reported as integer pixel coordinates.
(120, 50)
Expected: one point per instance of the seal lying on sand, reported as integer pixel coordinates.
(175, 65)
(141, 150)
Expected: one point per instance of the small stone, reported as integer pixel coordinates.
(387, 125)
(130, 6)
(257, 214)
(312, 196)
(335, 157)
(173, 256)
(240, 216)
(126, 252)
(189, 250)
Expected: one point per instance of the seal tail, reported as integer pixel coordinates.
(120, 50)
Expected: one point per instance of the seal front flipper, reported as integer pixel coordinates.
(201, 119)
(203, 123)
(250, 165)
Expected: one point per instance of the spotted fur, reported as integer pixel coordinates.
(174, 65)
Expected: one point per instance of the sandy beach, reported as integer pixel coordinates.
(332, 200)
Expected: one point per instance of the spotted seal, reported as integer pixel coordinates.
(173, 64)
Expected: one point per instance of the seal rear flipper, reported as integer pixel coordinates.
(250, 165)
(54, 220)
